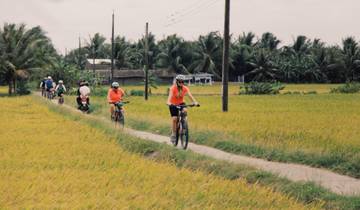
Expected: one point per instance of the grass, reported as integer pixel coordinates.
(318, 130)
(307, 193)
(234, 88)
(48, 161)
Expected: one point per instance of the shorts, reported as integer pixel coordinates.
(174, 111)
(59, 94)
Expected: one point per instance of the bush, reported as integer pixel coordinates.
(137, 92)
(347, 88)
(23, 88)
(259, 88)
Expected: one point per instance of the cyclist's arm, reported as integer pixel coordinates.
(64, 88)
(108, 96)
(41, 84)
(57, 87)
(192, 98)
(169, 98)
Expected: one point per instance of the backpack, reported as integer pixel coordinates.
(49, 84)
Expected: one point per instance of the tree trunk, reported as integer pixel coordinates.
(14, 86)
(10, 87)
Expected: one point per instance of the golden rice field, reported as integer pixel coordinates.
(50, 162)
(234, 88)
(312, 123)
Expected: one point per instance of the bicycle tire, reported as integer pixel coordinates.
(121, 119)
(178, 127)
(184, 135)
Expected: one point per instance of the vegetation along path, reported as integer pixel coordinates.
(336, 183)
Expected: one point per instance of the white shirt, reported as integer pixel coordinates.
(84, 91)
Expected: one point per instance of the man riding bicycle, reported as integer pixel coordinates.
(115, 95)
(83, 93)
(176, 98)
(60, 89)
(49, 85)
(42, 86)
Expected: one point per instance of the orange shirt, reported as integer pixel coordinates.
(115, 96)
(178, 96)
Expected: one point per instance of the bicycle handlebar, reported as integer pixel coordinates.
(184, 106)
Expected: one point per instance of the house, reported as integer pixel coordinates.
(100, 64)
(133, 76)
(199, 79)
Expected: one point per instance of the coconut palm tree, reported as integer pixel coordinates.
(264, 68)
(269, 41)
(351, 58)
(121, 51)
(242, 52)
(172, 50)
(22, 50)
(207, 54)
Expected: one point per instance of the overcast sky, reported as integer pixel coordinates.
(66, 20)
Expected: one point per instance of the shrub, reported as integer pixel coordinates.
(137, 92)
(258, 88)
(347, 88)
(23, 88)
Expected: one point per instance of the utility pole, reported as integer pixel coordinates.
(79, 54)
(112, 49)
(225, 64)
(146, 60)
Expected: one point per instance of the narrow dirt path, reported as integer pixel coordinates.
(339, 184)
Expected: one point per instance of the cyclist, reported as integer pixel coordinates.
(83, 92)
(176, 97)
(60, 89)
(49, 85)
(42, 86)
(115, 95)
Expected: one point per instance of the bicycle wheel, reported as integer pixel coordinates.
(121, 119)
(178, 129)
(184, 137)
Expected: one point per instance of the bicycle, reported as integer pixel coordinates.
(118, 113)
(61, 99)
(182, 129)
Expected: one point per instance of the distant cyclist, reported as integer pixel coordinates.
(115, 95)
(49, 85)
(83, 93)
(176, 98)
(60, 89)
(43, 86)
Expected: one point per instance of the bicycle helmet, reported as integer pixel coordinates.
(180, 77)
(49, 77)
(115, 85)
(61, 82)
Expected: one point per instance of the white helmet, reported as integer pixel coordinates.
(180, 77)
(49, 77)
(61, 82)
(115, 85)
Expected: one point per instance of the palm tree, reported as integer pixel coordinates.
(153, 50)
(22, 50)
(121, 51)
(172, 50)
(269, 41)
(96, 48)
(264, 69)
(207, 55)
(242, 52)
(351, 58)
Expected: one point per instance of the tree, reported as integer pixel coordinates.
(172, 50)
(121, 52)
(208, 54)
(242, 52)
(22, 50)
(264, 69)
(269, 41)
(351, 58)
(153, 50)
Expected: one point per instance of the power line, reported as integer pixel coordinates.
(192, 12)
(191, 6)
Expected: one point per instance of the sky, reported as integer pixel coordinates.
(67, 20)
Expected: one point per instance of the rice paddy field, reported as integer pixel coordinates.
(48, 161)
(234, 88)
(318, 129)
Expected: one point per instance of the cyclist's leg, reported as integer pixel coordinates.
(112, 109)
